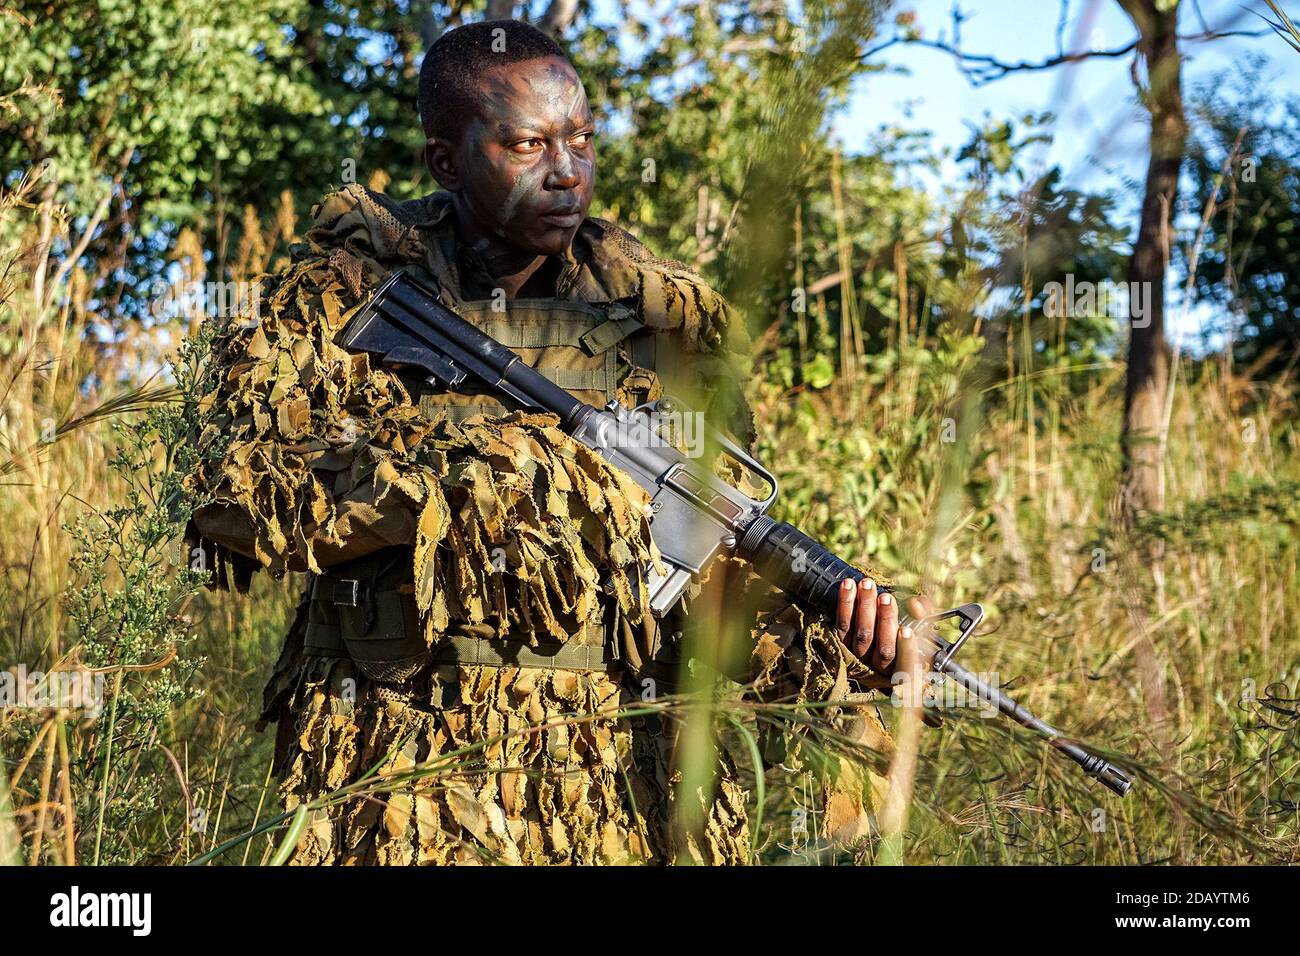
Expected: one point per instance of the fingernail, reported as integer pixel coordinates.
(846, 585)
(886, 598)
(868, 584)
(906, 632)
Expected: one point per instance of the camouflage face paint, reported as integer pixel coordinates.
(527, 161)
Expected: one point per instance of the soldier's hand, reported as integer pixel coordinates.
(866, 620)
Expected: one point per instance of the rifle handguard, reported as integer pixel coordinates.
(796, 563)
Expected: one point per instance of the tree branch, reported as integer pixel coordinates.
(89, 232)
(980, 69)
(559, 14)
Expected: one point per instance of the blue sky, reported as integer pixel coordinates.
(924, 90)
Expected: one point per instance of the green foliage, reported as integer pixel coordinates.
(1266, 510)
(125, 609)
(1251, 260)
(10, 843)
(874, 482)
(172, 86)
(197, 107)
(866, 469)
(993, 150)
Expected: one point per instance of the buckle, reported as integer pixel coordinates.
(347, 592)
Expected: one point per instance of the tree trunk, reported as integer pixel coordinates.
(1148, 356)
(559, 14)
(1142, 486)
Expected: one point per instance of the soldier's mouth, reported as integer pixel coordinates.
(562, 220)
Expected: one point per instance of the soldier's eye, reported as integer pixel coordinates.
(584, 139)
(527, 145)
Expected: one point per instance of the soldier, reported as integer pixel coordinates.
(472, 572)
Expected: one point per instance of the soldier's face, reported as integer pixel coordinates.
(526, 165)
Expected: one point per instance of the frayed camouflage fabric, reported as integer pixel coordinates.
(523, 527)
(318, 437)
(796, 658)
(295, 410)
(485, 765)
(514, 765)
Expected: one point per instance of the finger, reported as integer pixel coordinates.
(864, 618)
(921, 607)
(907, 651)
(886, 631)
(918, 609)
(844, 609)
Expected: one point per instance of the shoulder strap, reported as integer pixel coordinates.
(610, 332)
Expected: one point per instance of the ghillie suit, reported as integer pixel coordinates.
(473, 572)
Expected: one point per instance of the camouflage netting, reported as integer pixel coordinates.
(590, 791)
(581, 790)
(294, 406)
(326, 457)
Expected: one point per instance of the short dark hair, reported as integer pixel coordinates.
(455, 60)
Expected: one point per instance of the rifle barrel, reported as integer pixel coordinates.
(1093, 765)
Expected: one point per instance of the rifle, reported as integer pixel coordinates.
(695, 515)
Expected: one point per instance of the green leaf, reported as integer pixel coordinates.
(819, 373)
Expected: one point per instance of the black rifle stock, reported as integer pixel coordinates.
(696, 516)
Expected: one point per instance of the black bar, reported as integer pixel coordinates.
(348, 908)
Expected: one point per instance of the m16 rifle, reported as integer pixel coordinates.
(696, 516)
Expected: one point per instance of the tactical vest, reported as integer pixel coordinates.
(574, 344)
(365, 609)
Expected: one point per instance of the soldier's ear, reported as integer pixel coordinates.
(440, 157)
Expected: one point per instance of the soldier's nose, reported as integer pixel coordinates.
(563, 175)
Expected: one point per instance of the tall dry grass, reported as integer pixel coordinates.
(1030, 535)
(90, 557)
